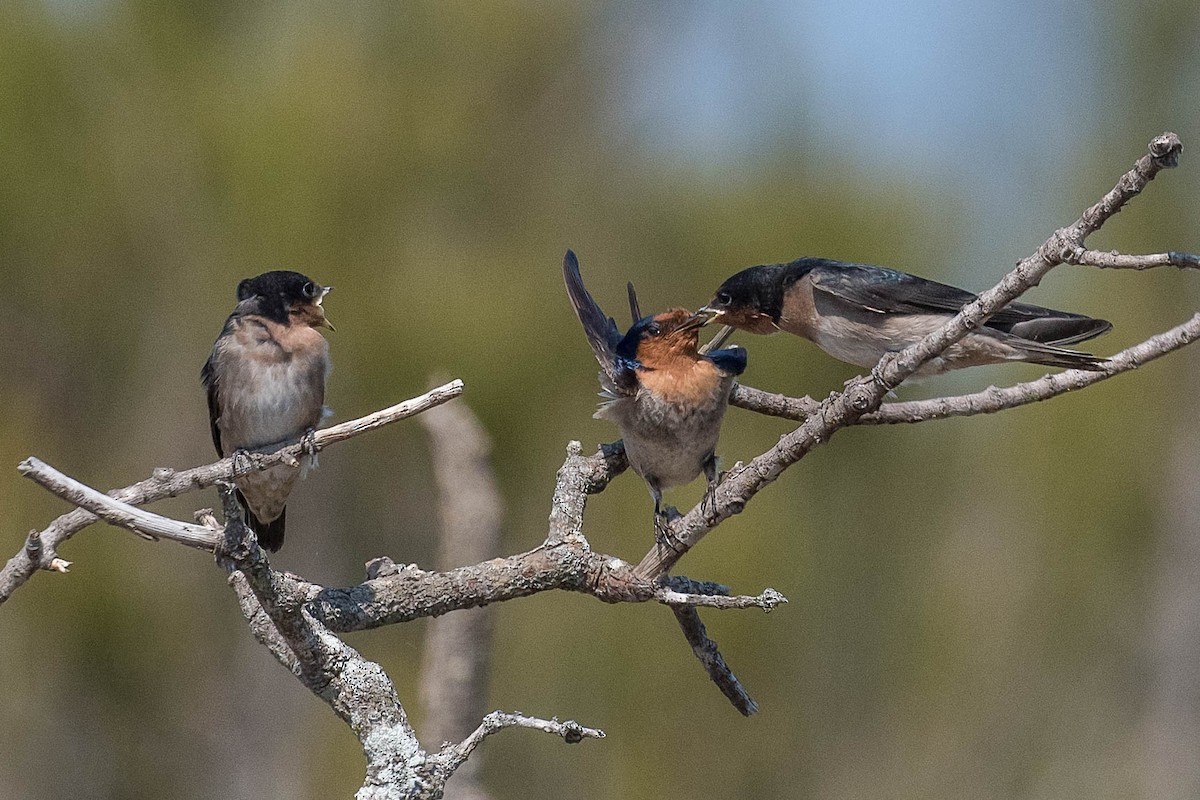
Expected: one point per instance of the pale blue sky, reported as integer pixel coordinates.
(980, 98)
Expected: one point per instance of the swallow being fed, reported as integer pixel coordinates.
(857, 312)
(665, 397)
(266, 383)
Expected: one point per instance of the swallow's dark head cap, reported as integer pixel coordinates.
(755, 287)
(277, 292)
(753, 298)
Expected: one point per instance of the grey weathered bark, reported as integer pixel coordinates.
(298, 620)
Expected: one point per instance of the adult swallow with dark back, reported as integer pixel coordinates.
(857, 312)
(666, 398)
(266, 384)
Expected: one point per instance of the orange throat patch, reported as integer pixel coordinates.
(682, 380)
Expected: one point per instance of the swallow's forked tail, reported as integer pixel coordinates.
(270, 534)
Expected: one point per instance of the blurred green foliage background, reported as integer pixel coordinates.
(1000, 607)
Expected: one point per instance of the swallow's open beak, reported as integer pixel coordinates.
(711, 314)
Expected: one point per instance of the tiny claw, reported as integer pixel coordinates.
(663, 536)
(59, 565)
(206, 517)
(241, 462)
(661, 531)
(308, 442)
(381, 567)
(308, 446)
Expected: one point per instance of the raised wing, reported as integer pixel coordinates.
(601, 330)
(635, 310)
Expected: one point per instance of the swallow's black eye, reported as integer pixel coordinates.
(310, 290)
(724, 298)
(655, 329)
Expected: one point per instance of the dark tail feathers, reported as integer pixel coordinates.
(1060, 330)
(1050, 356)
(270, 534)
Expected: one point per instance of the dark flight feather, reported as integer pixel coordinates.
(601, 330)
(731, 360)
(635, 310)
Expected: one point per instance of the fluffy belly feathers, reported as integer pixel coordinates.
(665, 442)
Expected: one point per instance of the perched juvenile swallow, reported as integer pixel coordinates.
(856, 313)
(666, 399)
(266, 383)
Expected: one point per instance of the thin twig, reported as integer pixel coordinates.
(767, 601)
(571, 732)
(1114, 260)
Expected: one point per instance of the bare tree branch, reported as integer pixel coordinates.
(408, 593)
(693, 594)
(990, 400)
(577, 478)
(167, 482)
(296, 619)
(122, 515)
(1114, 260)
(713, 662)
(865, 394)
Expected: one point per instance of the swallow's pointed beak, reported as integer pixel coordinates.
(321, 311)
(694, 322)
